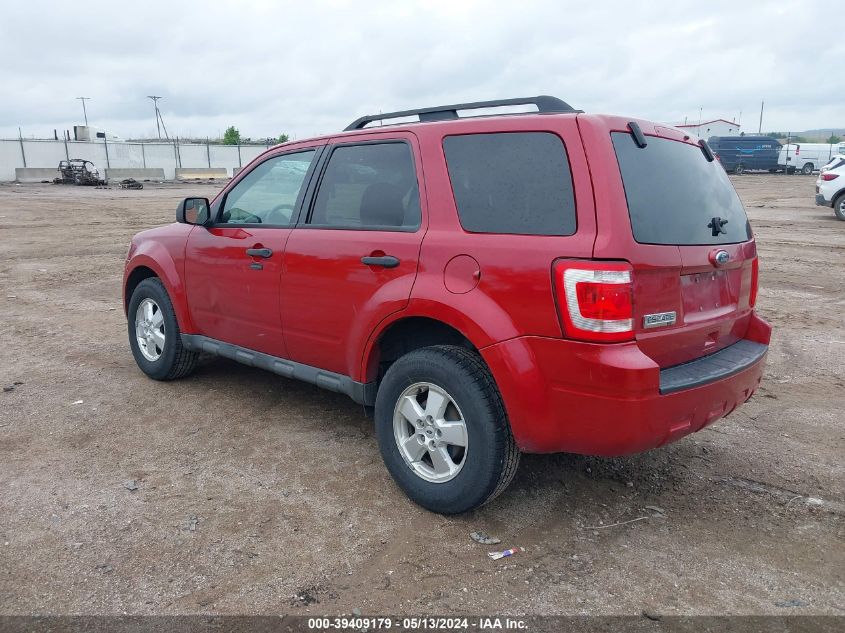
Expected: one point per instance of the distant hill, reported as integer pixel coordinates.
(839, 131)
(819, 135)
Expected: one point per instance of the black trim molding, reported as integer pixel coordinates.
(701, 371)
(362, 393)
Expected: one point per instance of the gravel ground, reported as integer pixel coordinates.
(256, 494)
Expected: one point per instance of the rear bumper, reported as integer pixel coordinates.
(567, 396)
(820, 201)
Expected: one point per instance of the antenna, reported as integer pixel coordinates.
(158, 117)
(84, 111)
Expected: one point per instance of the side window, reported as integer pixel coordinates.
(371, 186)
(512, 182)
(268, 193)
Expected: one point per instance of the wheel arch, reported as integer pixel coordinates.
(405, 333)
(144, 266)
(135, 277)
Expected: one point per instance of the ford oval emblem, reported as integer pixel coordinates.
(720, 258)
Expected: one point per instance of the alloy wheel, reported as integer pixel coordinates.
(430, 432)
(149, 329)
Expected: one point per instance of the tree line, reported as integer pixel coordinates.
(232, 136)
(832, 139)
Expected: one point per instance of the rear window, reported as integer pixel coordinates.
(674, 193)
(513, 182)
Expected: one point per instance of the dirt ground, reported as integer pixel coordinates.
(256, 494)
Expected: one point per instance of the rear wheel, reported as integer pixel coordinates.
(807, 169)
(739, 169)
(839, 206)
(154, 334)
(443, 431)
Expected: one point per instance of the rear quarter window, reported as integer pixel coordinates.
(674, 193)
(513, 182)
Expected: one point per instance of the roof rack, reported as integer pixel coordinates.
(544, 103)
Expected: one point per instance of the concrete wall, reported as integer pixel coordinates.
(35, 174)
(119, 155)
(138, 173)
(200, 173)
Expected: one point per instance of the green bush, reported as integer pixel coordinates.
(231, 136)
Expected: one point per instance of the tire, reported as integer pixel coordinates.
(839, 206)
(807, 169)
(739, 169)
(489, 457)
(167, 360)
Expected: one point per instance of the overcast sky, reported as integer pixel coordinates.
(312, 67)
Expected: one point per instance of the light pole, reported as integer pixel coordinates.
(84, 111)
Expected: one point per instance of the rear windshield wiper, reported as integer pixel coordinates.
(716, 225)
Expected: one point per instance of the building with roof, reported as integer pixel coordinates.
(716, 127)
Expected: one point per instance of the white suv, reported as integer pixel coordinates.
(836, 161)
(830, 190)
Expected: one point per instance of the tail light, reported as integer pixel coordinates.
(828, 176)
(755, 282)
(595, 300)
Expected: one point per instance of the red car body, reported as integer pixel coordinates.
(315, 304)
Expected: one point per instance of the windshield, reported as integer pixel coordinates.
(676, 196)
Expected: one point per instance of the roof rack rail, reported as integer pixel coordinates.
(545, 105)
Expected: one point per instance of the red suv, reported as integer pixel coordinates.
(484, 285)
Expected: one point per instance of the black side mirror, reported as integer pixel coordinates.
(193, 211)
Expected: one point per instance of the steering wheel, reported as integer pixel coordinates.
(241, 216)
(276, 215)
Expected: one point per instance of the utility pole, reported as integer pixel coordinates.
(760, 127)
(158, 116)
(84, 111)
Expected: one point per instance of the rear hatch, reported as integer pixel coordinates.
(673, 214)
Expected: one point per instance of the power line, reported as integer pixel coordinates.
(158, 117)
(84, 111)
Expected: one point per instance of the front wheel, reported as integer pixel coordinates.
(443, 431)
(839, 207)
(739, 170)
(154, 334)
(807, 169)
